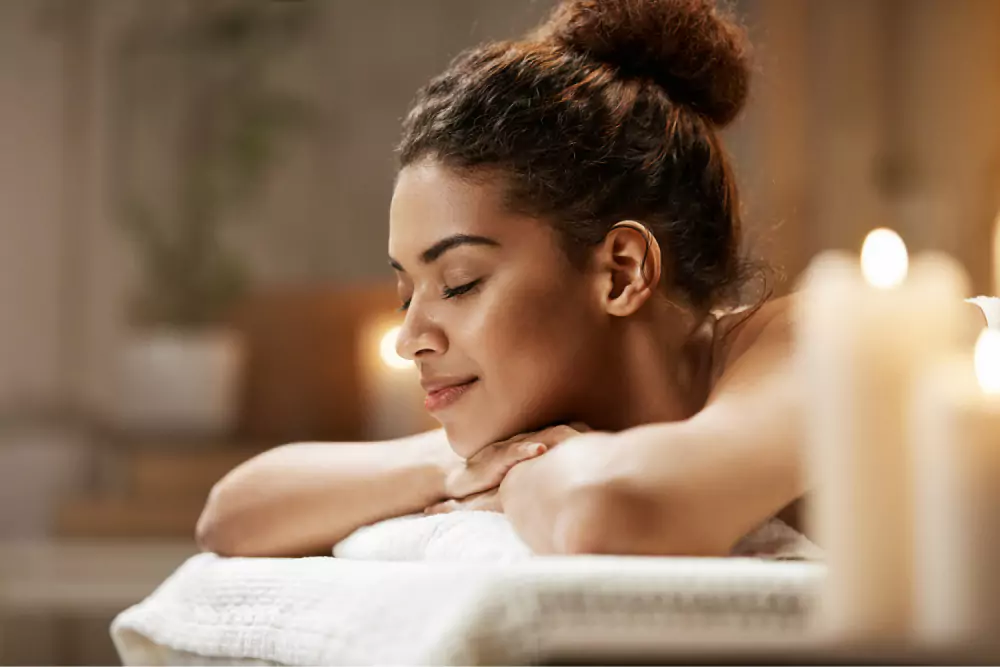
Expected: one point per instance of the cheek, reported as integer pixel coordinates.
(532, 352)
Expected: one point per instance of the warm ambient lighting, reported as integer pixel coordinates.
(996, 257)
(884, 261)
(988, 361)
(387, 350)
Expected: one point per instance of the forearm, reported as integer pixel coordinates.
(301, 499)
(689, 488)
(702, 484)
(701, 488)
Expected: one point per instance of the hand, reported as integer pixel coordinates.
(545, 497)
(487, 501)
(473, 484)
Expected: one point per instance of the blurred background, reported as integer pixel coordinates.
(193, 230)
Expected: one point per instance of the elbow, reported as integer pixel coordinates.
(234, 525)
(210, 532)
(613, 519)
(206, 533)
(230, 522)
(217, 531)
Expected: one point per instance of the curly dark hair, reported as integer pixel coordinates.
(609, 111)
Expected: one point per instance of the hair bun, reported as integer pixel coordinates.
(689, 47)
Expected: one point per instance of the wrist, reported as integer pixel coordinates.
(437, 463)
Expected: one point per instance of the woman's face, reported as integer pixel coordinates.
(493, 303)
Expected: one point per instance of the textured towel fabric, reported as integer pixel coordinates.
(316, 611)
(456, 536)
(469, 592)
(488, 536)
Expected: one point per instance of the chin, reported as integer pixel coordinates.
(467, 440)
(468, 437)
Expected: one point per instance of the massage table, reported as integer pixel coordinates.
(325, 610)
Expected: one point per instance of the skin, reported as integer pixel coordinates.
(659, 434)
(605, 347)
(692, 487)
(548, 342)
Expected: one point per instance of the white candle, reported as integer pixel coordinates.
(956, 435)
(861, 336)
(393, 398)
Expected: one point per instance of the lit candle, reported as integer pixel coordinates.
(861, 336)
(393, 398)
(956, 435)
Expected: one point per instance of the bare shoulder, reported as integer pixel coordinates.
(754, 345)
(771, 323)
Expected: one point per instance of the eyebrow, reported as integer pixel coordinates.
(434, 253)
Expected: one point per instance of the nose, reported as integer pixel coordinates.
(419, 334)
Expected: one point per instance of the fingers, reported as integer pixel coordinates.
(551, 435)
(523, 451)
(487, 501)
(554, 435)
(515, 453)
(443, 508)
(487, 468)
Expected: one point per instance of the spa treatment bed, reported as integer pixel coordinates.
(459, 589)
(331, 611)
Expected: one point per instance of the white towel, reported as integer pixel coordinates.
(454, 536)
(331, 611)
(489, 537)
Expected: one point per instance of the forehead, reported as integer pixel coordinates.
(431, 202)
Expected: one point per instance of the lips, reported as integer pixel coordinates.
(444, 393)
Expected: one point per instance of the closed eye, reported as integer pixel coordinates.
(450, 292)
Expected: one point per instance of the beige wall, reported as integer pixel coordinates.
(31, 189)
(848, 91)
(64, 270)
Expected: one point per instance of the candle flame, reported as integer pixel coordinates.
(387, 350)
(884, 261)
(987, 359)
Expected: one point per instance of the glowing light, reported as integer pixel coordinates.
(884, 261)
(387, 350)
(988, 361)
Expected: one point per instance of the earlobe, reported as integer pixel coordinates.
(631, 263)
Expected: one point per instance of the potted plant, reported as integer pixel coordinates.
(201, 124)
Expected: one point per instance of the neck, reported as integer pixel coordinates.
(661, 373)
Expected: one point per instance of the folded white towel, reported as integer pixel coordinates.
(489, 537)
(331, 611)
(455, 536)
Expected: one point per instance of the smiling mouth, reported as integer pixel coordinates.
(447, 396)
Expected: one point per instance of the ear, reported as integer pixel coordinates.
(628, 263)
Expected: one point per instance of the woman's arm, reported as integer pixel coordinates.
(303, 498)
(686, 488)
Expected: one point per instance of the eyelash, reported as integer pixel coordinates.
(450, 292)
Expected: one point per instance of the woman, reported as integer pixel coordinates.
(565, 231)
